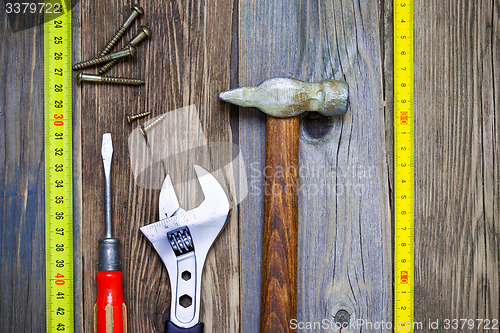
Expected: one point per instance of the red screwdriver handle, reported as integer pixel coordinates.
(110, 311)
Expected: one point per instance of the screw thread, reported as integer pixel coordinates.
(137, 116)
(118, 35)
(108, 66)
(140, 115)
(92, 62)
(122, 80)
(144, 129)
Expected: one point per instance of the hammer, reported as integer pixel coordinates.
(283, 100)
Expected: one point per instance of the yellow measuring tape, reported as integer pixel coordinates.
(58, 168)
(404, 166)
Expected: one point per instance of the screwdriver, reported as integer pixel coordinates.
(110, 311)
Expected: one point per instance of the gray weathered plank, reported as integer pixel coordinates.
(22, 236)
(345, 229)
(457, 210)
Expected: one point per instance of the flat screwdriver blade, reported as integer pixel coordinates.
(107, 153)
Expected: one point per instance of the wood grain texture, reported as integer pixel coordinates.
(22, 233)
(280, 230)
(186, 62)
(457, 175)
(344, 216)
(344, 244)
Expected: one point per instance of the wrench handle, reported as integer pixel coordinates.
(279, 251)
(110, 311)
(171, 328)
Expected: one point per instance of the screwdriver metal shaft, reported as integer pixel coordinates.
(107, 155)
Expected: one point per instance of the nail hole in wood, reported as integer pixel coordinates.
(342, 318)
(316, 126)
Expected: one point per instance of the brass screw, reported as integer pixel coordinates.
(81, 77)
(144, 129)
(131, 118)
(128, 51)
(145, 33)
(137, 11)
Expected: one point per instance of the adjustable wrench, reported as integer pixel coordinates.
(182, 239)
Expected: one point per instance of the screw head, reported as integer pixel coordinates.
(133, 51)
(129, 119)
(138, 9)
(78, 77)
(146, 30)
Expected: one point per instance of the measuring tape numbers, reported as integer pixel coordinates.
(58, 169)
(404, 167)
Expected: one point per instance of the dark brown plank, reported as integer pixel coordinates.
(456, 163)
(186, 62)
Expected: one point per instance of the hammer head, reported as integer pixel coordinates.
(286, 97)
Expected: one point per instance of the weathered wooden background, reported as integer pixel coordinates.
(201, 47)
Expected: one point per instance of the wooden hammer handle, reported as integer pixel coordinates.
(279, 252)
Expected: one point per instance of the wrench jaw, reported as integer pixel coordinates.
(172, 237)
(169, 204)
(216, 202)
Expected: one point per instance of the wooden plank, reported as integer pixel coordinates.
(457, 152)
(22, 233)
(77, 171)
(185, 63)
(345, 229)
